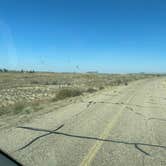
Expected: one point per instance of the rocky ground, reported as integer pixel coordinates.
(28, 87)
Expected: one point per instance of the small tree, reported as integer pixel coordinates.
(31, 71)
(5, 70)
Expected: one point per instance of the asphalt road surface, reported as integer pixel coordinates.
(124, 126)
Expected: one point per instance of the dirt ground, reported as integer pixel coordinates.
(29, 87)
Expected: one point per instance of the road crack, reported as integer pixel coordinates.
(135, 144)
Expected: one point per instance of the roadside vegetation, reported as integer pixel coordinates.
(21, 108)
(66, 93)
(91, 90)
(21, 91)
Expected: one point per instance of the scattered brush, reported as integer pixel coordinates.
(20, 107)
(3, 111)
(35, 82)
(66, 93)
(126, 83)
(101, 88)
(13, 109)
(91, 90)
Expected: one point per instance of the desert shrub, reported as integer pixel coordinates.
(65, 93)
(118, 82)
(3, 111)
(34, 82)
(18, 107)
(91, 90)
(46, 83)
(5, 70)
(101, 87)
(14, 109)
(31, 71)
(126, 83)
(54, 83)
(69, 84)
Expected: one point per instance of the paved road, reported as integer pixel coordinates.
(125, 126)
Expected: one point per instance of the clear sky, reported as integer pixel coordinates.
(83, 35)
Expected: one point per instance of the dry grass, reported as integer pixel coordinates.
(65, 93)
(91, 90)
(21, 107)
(101, 88)
(20, 90)
(14, 109)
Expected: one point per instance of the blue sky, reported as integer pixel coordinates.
(83, 35)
